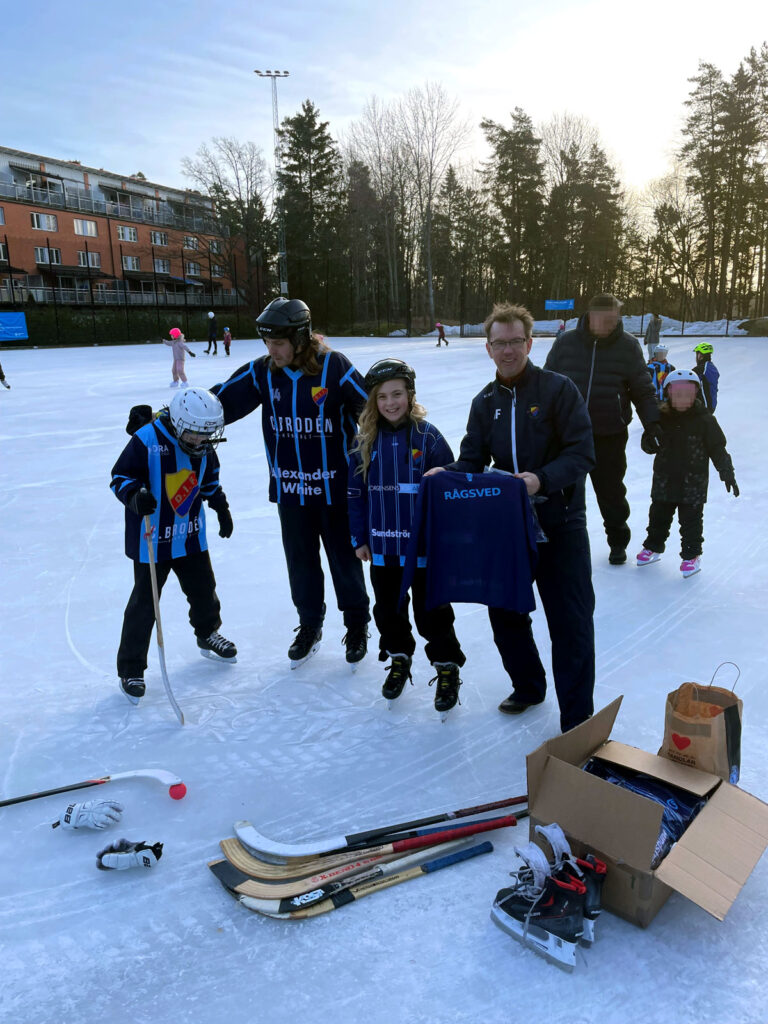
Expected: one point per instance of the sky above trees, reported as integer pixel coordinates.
(141, 87)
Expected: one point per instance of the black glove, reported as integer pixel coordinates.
(652, 437)
(193, 354)
(142, 502)
(139, 416)
(730, 482)
(226, 526)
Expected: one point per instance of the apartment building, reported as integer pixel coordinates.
(82, 235)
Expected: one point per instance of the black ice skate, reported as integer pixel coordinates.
(133, 688)
(448, 683)
(304, 646)
(544, 913)
(398, 674)
(589, 870)
(217, 648)
(356, 642)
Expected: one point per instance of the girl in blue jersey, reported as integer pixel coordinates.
(395, 446)
(166, 471)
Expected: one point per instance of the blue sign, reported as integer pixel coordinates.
(13, 327)
(558, 303)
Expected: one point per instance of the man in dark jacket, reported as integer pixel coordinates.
(534, 424)
(608, 368)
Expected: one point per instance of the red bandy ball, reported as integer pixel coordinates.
(178, 791)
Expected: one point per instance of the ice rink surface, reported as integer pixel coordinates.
(316, 751)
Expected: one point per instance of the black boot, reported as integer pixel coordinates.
(356, 642)
(398, 675)
(217, 647)
(133, 688)
(306, 643)
(448, 683)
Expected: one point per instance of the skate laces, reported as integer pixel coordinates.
(355, 636)
(304, 634)
(217, 641)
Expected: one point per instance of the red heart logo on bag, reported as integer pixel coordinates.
(681, 742)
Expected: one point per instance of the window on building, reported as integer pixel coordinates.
(131, 263)
(162, 266)
(86, 227)
(190, 242)
(159, 237)
(214, 245)
(44, 221)
(3, 251)
(193, 269)
(2, 215)
(127, 234)
(217, 270)
(89, 259)
(45, 255)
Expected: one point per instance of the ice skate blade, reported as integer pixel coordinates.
(557, 951)
(588, 935)
(687, 575)
(444, 714)
(301, 661)
(131, 700)
(216, 657)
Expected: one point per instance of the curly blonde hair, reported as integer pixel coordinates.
(368, 424)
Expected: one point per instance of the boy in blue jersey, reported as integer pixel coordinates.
(658, 367)
(707, 373)
(395, 446)
(534, 423)
(165, 472)
(310, 398)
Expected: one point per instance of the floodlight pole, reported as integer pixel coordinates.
(282, 258)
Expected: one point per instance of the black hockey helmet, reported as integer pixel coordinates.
(286, 318)
(391, 369)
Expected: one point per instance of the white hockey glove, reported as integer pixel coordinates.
(123, 854)
(93, 814)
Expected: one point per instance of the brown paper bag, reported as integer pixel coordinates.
(702, 728)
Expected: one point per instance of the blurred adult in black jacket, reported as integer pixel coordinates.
(606, 364)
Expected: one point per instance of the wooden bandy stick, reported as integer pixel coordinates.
(159, 629)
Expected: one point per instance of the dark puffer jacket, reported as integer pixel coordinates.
(610, 373)
(681, 467)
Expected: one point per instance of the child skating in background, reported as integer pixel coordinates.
(659, 367)
(165, 472)
(691, 437)
(179, 346)
(395, 447)
(708, 373)
(227, 340)
(440, 334)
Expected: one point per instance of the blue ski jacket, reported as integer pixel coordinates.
(381, 505)
(179, 483)
(309, 424)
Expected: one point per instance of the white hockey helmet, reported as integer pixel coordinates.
(197, 412)
(676, 376)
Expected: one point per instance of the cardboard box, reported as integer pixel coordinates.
(709, 864)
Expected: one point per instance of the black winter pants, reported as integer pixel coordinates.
(303, 528)
(564, 582)
(608, 482)
(691, 519)
(395, 633)
(198, 584)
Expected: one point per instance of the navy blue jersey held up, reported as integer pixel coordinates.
(179, 483)
(381, 505)
(479, 535)
(309, 424)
